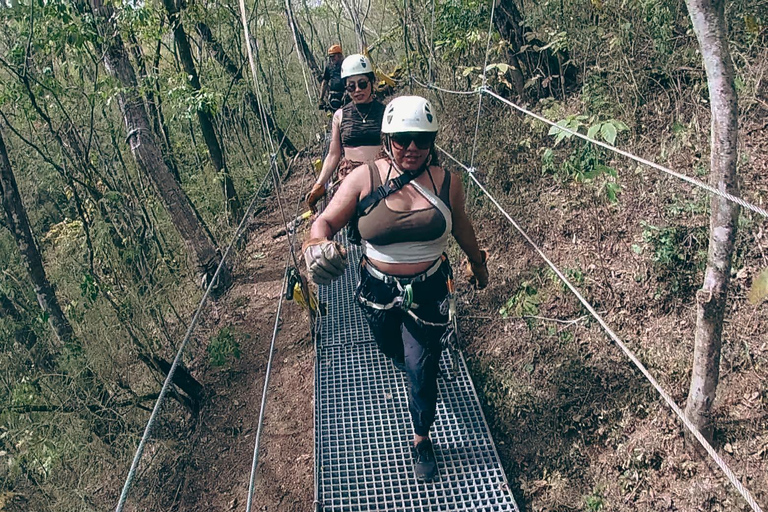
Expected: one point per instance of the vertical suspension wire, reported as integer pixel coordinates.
(408, 72)
(290, 235)
(431, 79)
(267, 134)
(485, 81)
(300, 55)
(268, 372)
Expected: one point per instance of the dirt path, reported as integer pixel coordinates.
(221, 449)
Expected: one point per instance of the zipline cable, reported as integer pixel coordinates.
(289, 235)
(176, 360)
(667, 398)
(683, 177)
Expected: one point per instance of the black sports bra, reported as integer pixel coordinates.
(361, 124)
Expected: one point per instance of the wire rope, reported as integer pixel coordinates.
(627, 351)
(177, 359)
(485, 81)
(678, 175)
(257, 442)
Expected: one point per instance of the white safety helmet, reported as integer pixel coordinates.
(409, 114)
(356, 64)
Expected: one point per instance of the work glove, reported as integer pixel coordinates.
(326, 260)
(317, 192)
(477, 273)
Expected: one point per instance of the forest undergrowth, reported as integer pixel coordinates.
(577, 427)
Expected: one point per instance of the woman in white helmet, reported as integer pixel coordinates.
(405, 227)
(355, 129)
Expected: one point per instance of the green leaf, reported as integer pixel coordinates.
(611, 191)
(556, 129)
(619, 125)
(759, 291)
(608, 131)
(593, 130)
(501, 68)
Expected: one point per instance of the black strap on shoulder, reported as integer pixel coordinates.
(370, 201)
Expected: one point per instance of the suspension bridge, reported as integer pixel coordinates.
(362, 427)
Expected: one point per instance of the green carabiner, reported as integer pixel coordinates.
(407, 297)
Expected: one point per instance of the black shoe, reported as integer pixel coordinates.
(400, 365)
(424, 463)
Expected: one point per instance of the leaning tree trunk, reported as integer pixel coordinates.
(233, 205)
(148, 156)
(30, 254)
(301, 43)
(530, 62)
(710, 27)
(229, 65)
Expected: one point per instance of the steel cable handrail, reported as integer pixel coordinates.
(667, 398)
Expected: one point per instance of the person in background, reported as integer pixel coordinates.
(355, 128)
(405, 227)
(332, 85)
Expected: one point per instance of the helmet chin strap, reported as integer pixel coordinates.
(417, 172)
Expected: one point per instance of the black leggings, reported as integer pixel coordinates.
(400, 337)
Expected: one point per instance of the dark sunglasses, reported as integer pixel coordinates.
(360, 84)
(423, 140)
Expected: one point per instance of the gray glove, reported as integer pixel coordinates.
(326, 260)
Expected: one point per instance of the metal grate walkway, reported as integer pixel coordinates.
(363, 430)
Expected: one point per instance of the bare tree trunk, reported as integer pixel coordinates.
(154, 106)
(228, 64)
(148, 156)
(709, 24)
(555, 65)
(233, 206)
(301, 43)
(30, 254)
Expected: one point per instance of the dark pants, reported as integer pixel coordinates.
(404, 339)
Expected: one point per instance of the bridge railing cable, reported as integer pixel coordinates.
(667, 398)
(257, 442)
(649, 163)
(177, 359)
(654, 165)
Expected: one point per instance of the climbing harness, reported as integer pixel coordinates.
(404, 301)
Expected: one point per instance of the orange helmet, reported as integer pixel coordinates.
(334, 49)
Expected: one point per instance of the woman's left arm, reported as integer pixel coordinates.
(463, 231)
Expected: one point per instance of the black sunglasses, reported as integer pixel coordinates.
(360, 84)
(423, 140)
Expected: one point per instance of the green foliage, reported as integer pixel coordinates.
(223, 347)
(460, 27)
(525, 302)
(678, 254)
(594, 501)
(585, 164)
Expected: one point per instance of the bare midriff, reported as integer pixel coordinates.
(402, 269)
(362, 153)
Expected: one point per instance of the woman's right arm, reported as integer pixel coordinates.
(334, 151)
(343, 205)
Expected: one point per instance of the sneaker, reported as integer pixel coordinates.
(424, 463)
